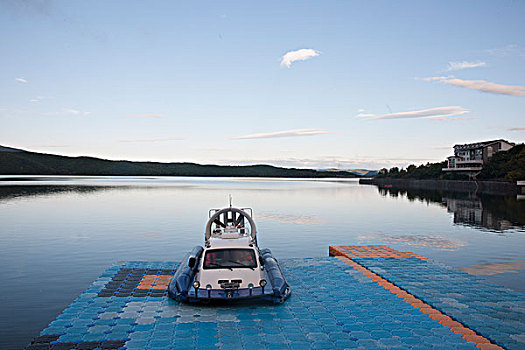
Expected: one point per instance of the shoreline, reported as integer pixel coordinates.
(498, 188)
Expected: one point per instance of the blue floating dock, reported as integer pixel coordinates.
(333, 306)
(495, 312)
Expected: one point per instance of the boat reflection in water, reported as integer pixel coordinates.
(493, 213)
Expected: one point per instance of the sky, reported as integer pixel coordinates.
(317, 84)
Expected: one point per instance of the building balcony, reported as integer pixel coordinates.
(471, 168)
(469, 161)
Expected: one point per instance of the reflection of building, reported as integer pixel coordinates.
(521, 189)
(470, 212)
(497, 213)
(470, 158)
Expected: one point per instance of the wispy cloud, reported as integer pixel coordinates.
(517, 129)
(365, 115)
(147, 115)
(505, 50)
(451, 119)
(39, 98)
(75, 111)
(464, 65)
(298, 55)
(71, 111)
(361, 113)
(287, 133)
(481, 85)
(423, 113)
(163, 139)
(21, 80)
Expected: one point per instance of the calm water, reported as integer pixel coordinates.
(57, 234)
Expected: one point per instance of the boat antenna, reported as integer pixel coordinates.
(230, 200)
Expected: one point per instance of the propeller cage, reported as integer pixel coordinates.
(230, 221)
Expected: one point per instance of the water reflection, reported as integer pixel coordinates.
(290, 218)
(493, 213)
(492, 268)
(471, 212)
(435, 241)
(12, 192)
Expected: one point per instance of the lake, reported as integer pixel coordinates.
(60, 233)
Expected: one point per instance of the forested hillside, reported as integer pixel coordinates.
(19, 162)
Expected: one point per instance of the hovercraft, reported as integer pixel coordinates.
(230, 266)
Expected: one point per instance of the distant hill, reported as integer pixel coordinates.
(20, 162)
(362, 172)
(358, 172)
(9, 149)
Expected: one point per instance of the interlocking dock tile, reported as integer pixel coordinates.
(369, 251)
(485, 314)
(333, 306)
(138, 282)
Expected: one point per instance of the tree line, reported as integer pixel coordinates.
(509, 165)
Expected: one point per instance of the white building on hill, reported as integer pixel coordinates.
(470, 158)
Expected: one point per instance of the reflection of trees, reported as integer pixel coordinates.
(424, 196)
(12, 192)
(492, 212)
(507, 207)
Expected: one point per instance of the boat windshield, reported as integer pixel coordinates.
(230, 258)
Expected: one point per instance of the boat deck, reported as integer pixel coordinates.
(367, 297)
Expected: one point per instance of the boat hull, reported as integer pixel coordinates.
(181, 287)
(203, 295)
